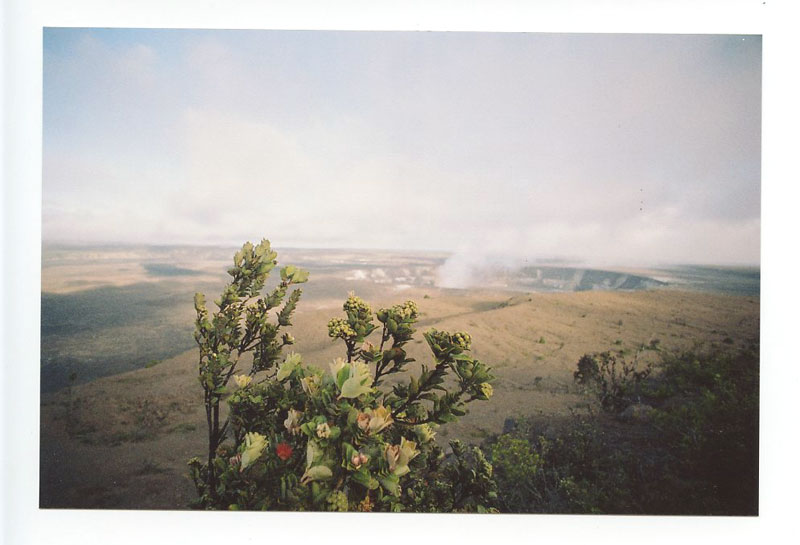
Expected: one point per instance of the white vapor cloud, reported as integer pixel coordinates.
(605, 148)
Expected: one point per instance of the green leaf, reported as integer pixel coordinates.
(352, 416)
(300, 276)
(349, 451)
(363, 478)
(413, 388)
(390, 483)
(318, 473)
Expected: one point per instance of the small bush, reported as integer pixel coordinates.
(715, 425)
(615, 381)
(331, 438)
(698, 454)
(516, 467)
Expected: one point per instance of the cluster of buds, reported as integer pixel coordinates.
(462, 340)
(339, 328)
(288, 339)
(337, 501)
(358, 459)
(323, 430)
(474, 376)
(357, 306)
(406, 311)
(442, 342)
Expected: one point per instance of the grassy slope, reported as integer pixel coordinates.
(126, 440)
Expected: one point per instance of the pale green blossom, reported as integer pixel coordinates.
(254, 445)
(359, 381)
(316, 473)
(319, 472)
(313, 453)
(398, 456)
(289, 364)
(424, 432)
(242, 380)
(292, 422)
(379, 418)
(337, 365)
(310, 384)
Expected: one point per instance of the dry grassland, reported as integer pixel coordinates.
(122, 441)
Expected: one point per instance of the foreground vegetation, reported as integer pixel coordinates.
(674, 434)
(299, 437)
(686, 443)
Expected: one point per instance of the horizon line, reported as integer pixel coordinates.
(518, 259)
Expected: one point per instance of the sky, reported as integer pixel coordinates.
(608, 148)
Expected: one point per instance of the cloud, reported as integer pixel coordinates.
(616, 148)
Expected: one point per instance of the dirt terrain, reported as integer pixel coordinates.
(122, 441)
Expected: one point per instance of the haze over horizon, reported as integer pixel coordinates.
(621, 149)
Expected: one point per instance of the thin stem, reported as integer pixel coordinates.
(437, 371)
(379, 365)
(211, 476)
(384, 337)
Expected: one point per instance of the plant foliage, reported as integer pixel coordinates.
(335, 436)
(695, 454)
(615, 381)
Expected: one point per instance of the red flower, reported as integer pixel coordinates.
(283, 450)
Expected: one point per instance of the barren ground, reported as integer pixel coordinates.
(122, 441)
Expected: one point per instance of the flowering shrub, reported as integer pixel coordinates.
(332, 437)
